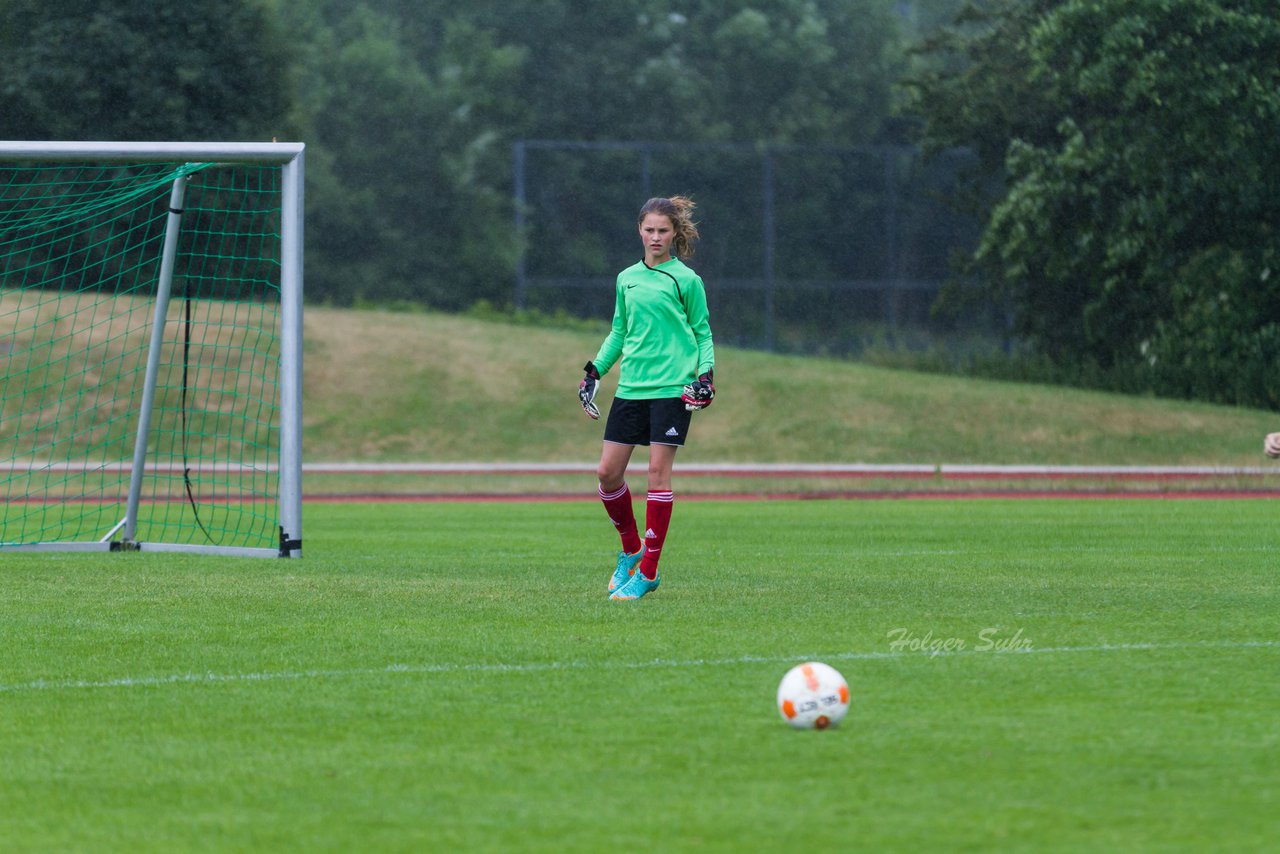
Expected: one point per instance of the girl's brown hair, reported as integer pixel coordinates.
(678, 209)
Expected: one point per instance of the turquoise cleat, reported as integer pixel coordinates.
(635, 588)
(626, 568)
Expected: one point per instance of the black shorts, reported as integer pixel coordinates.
(664, 421)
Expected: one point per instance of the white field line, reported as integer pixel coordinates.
(208, 678)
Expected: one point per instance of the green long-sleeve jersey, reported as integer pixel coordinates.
(661, 331)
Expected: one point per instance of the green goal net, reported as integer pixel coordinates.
(148, 361)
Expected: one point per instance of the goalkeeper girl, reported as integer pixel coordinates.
(662, 335)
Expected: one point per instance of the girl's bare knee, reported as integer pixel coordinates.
(610, 479)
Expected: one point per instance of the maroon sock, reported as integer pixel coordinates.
(657, 518)
(618, 506)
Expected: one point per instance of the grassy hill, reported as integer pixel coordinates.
(383, 386)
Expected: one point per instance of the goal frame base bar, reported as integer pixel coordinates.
(177, 548)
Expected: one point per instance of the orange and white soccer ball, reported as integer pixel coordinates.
(813, 695)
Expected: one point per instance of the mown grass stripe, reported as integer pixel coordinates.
(549, 666)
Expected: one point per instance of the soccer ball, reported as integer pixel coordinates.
(813, 696)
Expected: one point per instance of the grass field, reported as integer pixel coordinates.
(384, 386)
(463, 389)
(451, 676)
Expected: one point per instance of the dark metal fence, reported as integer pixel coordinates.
(805, 249)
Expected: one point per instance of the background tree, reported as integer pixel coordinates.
(79, 70)
(407, 195)
(413, 108)
(969, 87)
(1136, 232)
(410, 109)
(972, 87)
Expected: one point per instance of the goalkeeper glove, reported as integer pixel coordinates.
(587, 390)
(699, 394)
(1272, 445)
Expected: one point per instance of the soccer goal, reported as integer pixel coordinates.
(151, 347)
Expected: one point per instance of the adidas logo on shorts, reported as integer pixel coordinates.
(673, 432)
